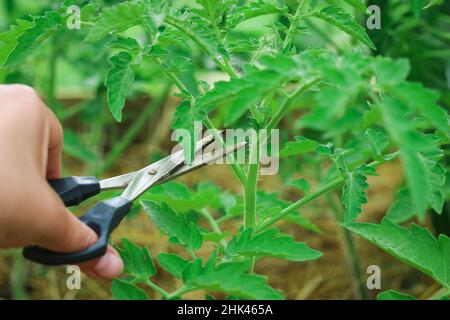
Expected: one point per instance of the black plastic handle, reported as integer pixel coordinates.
(74, 190)
(103, 218)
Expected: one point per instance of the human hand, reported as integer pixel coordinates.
(30, 211)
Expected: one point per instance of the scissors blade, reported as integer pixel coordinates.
(150, 175)
(122, 181)
(200, 161)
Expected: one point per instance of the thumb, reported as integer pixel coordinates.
(57, 229)
(63, 232)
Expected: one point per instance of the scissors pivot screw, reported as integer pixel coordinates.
(152, 172)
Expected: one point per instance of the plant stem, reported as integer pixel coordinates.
(273, 123)
(251, 186)
(213, 223)
(238, 171)
(158, 289)
(352, 254)
(290, 33)
(329, 186)
(192, 253)
(440, 294)
(132, 132)
(324, 35)
(180, 291)
(250, 189)
(18, 277)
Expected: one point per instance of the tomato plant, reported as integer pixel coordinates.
(349, 111)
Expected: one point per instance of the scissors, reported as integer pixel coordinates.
(106, 215)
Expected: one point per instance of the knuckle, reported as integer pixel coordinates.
(25, 97)
(20, 91)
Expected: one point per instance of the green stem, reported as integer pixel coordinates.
(223, 219)
(72, 111)
(192, 253)
(251, 187)
(132, 132)
(180, 291)
(281, 112)
(158, 289)
(324, 35)
(336, 182)
(213, 223)
(440, 294)
(18, 277)
(290, 33)
(238, 171)
(96, 136)
(352, 254)
(178, 83)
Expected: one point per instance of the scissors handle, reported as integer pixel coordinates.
(74, 190)
(103, 218)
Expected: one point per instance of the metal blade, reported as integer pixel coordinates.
(151, 174)
(200, 162)
(122, 181)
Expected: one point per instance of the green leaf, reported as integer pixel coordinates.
(416, 7)
(181, 199)
(402, 209)
(301, 184)
(255, 9)
(29, 37)
(213, 10)
(117, 19)
(335, 111)
(8, 39)
(411, 144)
(358, 4)
(300, 146)
(435, 175)
(214, 236)
(174, 225)
(377, 139)
(270, 243)
(424, 101)
(122, 290)
(74, 147)
(433, 3)
(301, 221)
(354, 193)
(344, 21)
(231, 278)
(239, 94)
(137, 260)
(416, 247)
(119, 79)
(389, 72)
(125, 44)
(172, 263)
(394, 295)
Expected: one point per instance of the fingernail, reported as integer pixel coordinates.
(109, 266)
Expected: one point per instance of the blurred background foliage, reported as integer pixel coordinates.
(69, 74)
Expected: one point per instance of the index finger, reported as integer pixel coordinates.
(55, 143)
